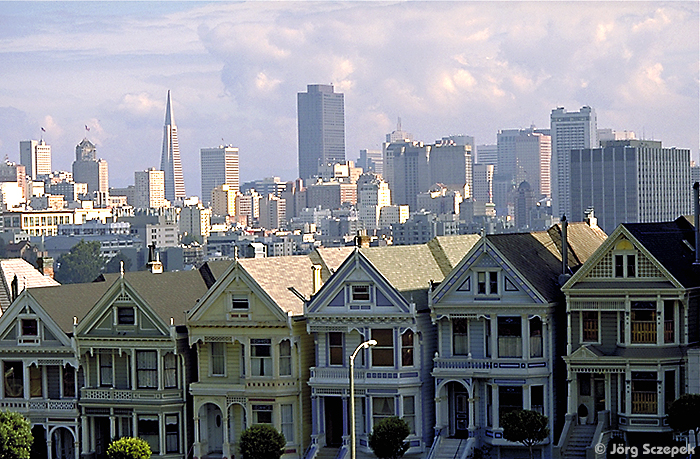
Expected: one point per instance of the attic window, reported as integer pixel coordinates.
(126, 316)
(30, 327)
(360, 293)
(239, 302)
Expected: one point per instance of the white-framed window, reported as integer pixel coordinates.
(536, 340)
(510, 398)
(172, 433)
(510, 338)
(170, 371)
(126, 315)
(460, 336)
(409, 412)
(218, 358)
(287, 422)
(360, 293)
(382, 408)
(624, 260)
(239, 302)
(147, 369)
(285, 358)
(643, 322)
(407, 344)
(106, 370)
(68, 381)
(537, 398)
(13, 375)
(262, 414)
(261, 357)
(148, 431)
(29, 331)
(487, 283)
(35, 382)
(383, 351)
(336, 350)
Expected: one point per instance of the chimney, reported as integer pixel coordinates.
(45, 266)
(14, 287)
(696, 206)
(564, 252)
(362, 240)
(154, 264)
(315, 279)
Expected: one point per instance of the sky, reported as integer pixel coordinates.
(234, 69)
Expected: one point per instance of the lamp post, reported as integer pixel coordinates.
(364, 345)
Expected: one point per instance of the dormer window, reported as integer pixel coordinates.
(625, 262)
(30, 327)
(126, 315)
(360, 293)
(239, 302)
(487, 283)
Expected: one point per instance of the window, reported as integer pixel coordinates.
(669, 321)
(35, 385)
(148, 431)
(218, 359)
(383, 351)
(147, 369)
(489, 406)
(460, 336)
(644, 395)
(625, 265)
(126, 316)
(510, 398)
(382, 407)
(287, 422)
(536, 337)
(487, 337)
(643, 322)
(285, 358)
(261, 357)
(262, 414)
(360, 293)
(510, 337)
(14, 379)
(239, 301)
(30, 327)
(537, 399)
(172, 433)
(589, 323)
(487, 283)
(68, 381)
(170, 371)
(669, 387)
(106, 370)
(407, 349)
(335, 345)
(409, 412)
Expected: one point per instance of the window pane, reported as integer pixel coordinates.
(287, 415)
(510, 398)
(105, 369)
(170, 370)
(409, 412)
(35, 381)
(382, 407)
(125, 316)
(68, 381)
(30, 327)
(360, 293)
(147, 369)
(218, 359)
(172, 433)
(383, 351)
(285, 358)
(459, 336)
(335, 342)
(407, 349)
(590, 325)
(148, 430)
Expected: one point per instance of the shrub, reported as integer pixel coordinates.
(129, 448)
(262, 441)
(15, 436)
(526, 427)
(387, 438)
(683, 413)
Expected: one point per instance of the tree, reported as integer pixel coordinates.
(683, 413)
(129, 448)
(387, 438)
(114, 264)
(82, 264)
(525, 426)
(262, 441)
(15, 436)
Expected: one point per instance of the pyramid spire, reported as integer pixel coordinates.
(169, 112)
(170, 162)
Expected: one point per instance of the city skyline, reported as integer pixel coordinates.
(235, 69)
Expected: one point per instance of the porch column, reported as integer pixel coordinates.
(84, 431)
(495, 413)
(197, 444)
(315, 413)
(112, 425)
(346, 419)
(472, 407)
(494, 337)
(226, 449)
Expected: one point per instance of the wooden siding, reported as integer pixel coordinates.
(53, 382)
(608, 331)
(476, 338)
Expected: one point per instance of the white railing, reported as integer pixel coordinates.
(462, 363)
(363, 374)
(38, 405)
(121, 394)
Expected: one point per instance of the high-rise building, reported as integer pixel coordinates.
(451, 163)
(483, 183)
(487, 154)
(195, 221)
(371, 161)
(149, 189)
(272, 212)
(170, 158)
(569, 131)
(35, 156)
(16, 173)
(321, 124)
(88, 169)
(372, 194)
(223, 200)
(630, 181)
(219, 166)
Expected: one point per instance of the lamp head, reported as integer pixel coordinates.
(372, 342)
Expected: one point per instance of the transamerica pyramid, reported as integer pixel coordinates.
(170, 159)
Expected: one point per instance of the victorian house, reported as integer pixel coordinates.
(377, 294)
(500, 318)
(253, 355)
(632, 313)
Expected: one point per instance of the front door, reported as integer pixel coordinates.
(102, 437)
(598, 393)
(461, 414)
(334, 421)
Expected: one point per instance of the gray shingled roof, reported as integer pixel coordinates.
(448, 251)
(63, 302)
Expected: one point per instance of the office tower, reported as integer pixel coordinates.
(391, 148)
(195, 221)
(411, 171)
(487, 154)
(149, 189)
(35, 156)
(483, 183)
(248, 206)
(525, 155)
(88, 169)
(223, 200)
(569, 131)
(524, 206)
(630, 181)
(372, 194)
(219, 166)
(16, 173)
(371, 161)
(607, 134)
(321, 123)
(272, 212)
(451, 164)
(170, 159)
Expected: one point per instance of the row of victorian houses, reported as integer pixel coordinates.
(592, 331)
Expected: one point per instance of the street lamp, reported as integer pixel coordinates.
(364, 345)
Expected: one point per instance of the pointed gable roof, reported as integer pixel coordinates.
(449, 250)
(27, 275)
(64, 302)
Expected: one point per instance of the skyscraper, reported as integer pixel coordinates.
(170, 159)
(149, 189)
(35, 156)
(219, 166)
(321, 123)
(630, 181)
(569, 131)
(88, 169)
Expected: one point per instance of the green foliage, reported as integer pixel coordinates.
(387, 438)
(82, 264)
(526, 427)
(262, 441)
(15, 436)
(683, 413)
(129, 448)
(114, 264)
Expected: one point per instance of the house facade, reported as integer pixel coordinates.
(499, 321)
(632, 313)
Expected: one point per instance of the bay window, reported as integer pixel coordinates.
(147, 369)
(510, 343)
